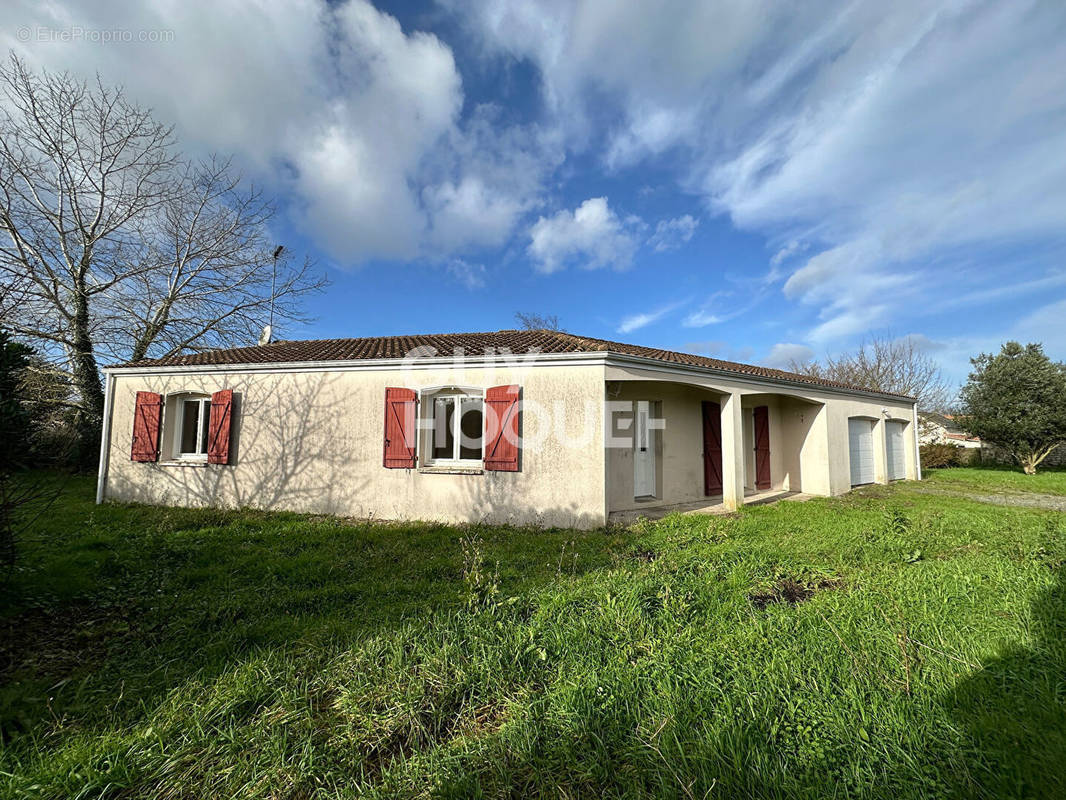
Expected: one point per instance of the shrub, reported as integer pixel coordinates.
(935, 456)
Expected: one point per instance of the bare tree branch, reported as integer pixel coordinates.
(897, 365)
(112, 248)
(538, 322)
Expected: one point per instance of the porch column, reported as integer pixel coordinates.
(732, 452)
(880, 451)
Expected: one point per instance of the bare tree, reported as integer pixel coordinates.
(900, 366)
(113, 248)
(212, 283)
(538, 322)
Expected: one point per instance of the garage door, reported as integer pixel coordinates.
(897, 463)
(861, 450)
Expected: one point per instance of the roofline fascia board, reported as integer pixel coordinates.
(620, 359)
(519, 360)
(370, 364)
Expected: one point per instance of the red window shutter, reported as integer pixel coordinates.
(146, 416)
(762, 447)
(218, 431)
(399, 451)
(503, 413)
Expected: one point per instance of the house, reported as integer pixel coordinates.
(529, 427)
(944, 429)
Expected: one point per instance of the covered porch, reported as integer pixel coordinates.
(711, 505)
(687, 447)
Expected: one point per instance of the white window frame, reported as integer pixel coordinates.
(205, 422)
(427, 425)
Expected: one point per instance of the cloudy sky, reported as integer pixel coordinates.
(751, 180)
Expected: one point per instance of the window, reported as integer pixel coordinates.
(452, 428)
(191, 428)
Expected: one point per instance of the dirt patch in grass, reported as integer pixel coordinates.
(647, 556)
(421, 730)
(1049, 502)
(792, 591)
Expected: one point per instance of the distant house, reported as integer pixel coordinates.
(944, 429)
(529, 427)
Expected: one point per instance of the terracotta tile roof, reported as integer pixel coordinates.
(471, 344)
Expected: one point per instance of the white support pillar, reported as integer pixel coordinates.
(914, 466)
(880, 451)
(732, 452)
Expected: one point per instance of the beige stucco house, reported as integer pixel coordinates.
(528, 427)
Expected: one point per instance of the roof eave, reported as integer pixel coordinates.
(600, 357)
(672, 366)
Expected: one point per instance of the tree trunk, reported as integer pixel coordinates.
(1033, 460)
(86, 377)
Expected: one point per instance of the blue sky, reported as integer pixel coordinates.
(751, 180)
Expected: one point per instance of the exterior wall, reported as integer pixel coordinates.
(679, 446)
(808, 435)
(679, 465)
(840, 409)
(312, 441)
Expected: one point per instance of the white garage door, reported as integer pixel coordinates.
(897, 463)
(861, 450)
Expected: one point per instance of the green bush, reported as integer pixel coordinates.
(935, 456)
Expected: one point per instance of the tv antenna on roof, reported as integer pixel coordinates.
(268, 330)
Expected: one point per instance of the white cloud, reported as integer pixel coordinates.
(898, 142)
(786, 252)
(1045, 325)
(591, 236)
(670, 234)
(335, 103)
(702, 318)
(723, 306)
(472, 276)
(469, 213)
(645, 318)
(783, 354)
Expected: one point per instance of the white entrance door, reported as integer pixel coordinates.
(861, 450)
(643, 453)
(897, 463)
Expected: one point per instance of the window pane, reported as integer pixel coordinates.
(443, 430)
(470, 428)
(205, 420)
(190, 425)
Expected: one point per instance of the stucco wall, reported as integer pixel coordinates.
(679, 446)
(808, 435)
(839, 412)
(679, 463)
(312, 441)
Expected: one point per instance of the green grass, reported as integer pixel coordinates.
(888, 643)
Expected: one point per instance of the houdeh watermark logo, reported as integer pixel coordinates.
(40, 34)
(565, 420)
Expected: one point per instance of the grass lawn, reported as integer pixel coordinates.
(1000, 479)
(889, 643)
